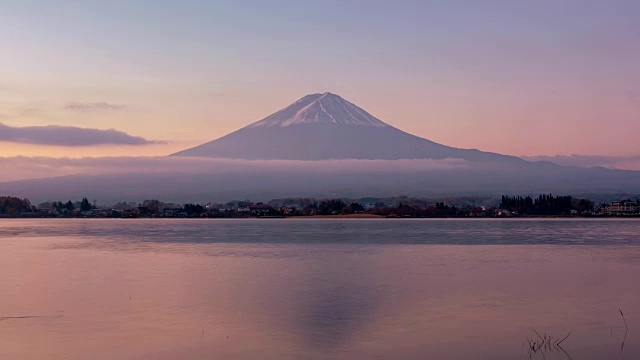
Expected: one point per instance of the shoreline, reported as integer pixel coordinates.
(348, 216)
(333, 217)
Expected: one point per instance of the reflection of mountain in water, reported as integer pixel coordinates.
(338, 305)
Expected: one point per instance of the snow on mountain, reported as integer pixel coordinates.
(320, 108)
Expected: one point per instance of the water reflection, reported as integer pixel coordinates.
(355, 231)
(338, 304)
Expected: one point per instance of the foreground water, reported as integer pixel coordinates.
(318, 289)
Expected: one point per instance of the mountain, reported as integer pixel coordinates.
(325, 126)
(355, 155)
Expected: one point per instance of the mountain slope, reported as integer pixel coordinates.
(325, 126)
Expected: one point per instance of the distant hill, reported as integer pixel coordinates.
(263, 181)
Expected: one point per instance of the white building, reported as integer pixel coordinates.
(621, 208)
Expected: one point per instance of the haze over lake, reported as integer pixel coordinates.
(317, 289)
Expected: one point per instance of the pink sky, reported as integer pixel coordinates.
(514, 79)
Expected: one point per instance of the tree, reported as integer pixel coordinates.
(585, 205)
(193, 209)
(13, 206)
(85, 205)
(69, 206)
(330, 207)
(543, 204)
(356, 207)
(150, 207)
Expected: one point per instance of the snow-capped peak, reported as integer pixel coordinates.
(320, 108)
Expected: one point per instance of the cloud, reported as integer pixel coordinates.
(28, 111)
(20, 167)
(16, 110)
(69, 136)
(633, 96)
(94, 106)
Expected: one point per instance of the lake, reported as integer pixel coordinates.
(318, 289)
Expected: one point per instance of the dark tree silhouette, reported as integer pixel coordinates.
(544, 204)
(85, 205)
(14, 206)
(330, 207)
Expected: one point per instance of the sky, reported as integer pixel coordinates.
(152, 78)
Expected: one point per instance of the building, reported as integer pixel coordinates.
(260, 209)
(620, 208)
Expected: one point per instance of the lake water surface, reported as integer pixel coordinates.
(318, 289)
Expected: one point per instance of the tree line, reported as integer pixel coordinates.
(13, 206)
(545, 204)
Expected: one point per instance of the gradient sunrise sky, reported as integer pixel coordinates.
(515, 77)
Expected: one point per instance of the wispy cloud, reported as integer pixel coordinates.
(633, 97)
(41, 167)
(94, 106)
(69, 136)
(28, 111)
